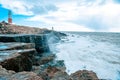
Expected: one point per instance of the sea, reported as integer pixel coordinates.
(94, 51)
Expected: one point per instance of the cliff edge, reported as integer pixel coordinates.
(6, 28)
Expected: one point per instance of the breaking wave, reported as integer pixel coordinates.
(99, 52)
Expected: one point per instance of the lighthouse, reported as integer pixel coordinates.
(9, 17)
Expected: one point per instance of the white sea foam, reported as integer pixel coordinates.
(83, 52)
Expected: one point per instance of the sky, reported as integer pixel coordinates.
(64, 15)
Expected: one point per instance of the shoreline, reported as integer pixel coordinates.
(28, 57)
(45, 63)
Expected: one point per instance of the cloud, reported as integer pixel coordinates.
(43, 9)
(18, 7)
(91, 2)
(83, 15)
(98, 15)
(28, 7)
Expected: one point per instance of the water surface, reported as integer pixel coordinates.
(99, 52)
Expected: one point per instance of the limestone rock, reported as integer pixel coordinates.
(56, 74)
(18, 60)
(84, 75)
(3, 71)
(60, 76)
(5, 74)
(11, 75)
(45, 58)
(25, 76)
(40, 40)
(18, 29)
(59, 64)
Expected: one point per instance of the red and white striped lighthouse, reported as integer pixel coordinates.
(10, 17)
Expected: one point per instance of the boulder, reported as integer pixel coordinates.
(25, 76)
(56, 74)
(5, 74)
(84, 75)
(59, 64)
(3, 71)
(17, 60)
(11, 75)
(60, 76)
(51, 70)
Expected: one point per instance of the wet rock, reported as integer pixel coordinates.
(54, 69)
(59, 64)
(3, 71)
(18, 60)
(45, 58)
(11, 75)
(84, 75)
(5, 74)
(40, 71)
(25, 76)
(59, 34)
(56, 74)
(62, 34)
(60, 76)
(44, 75)
(51, 71)
(40, 40)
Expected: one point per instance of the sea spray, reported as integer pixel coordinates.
(52, 39)
(98, 52)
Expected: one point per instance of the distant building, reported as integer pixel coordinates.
(9, 17)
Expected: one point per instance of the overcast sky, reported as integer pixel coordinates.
(65, 15)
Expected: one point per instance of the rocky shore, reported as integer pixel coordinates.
(27, 56)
